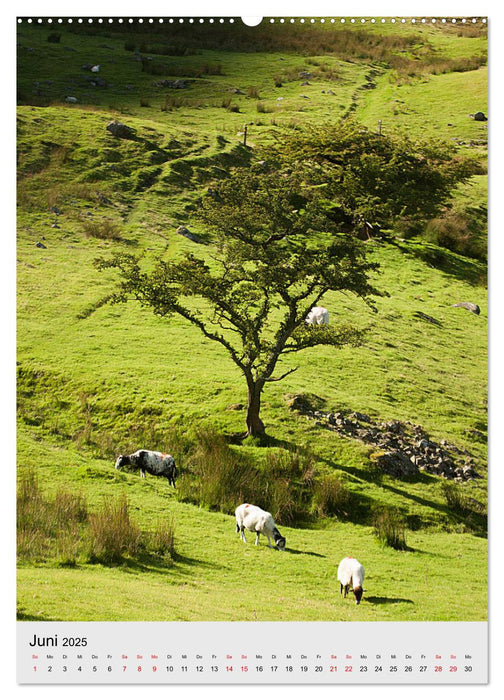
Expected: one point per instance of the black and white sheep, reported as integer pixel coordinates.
(156, 463)
(318, 316)
(257, 520)
(351, 575)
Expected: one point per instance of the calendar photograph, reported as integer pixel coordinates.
(251, 321)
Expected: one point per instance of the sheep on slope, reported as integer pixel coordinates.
(156, 463)
(351, 574)
(259, 521)
(318, 316)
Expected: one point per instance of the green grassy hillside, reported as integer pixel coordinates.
(96, 380)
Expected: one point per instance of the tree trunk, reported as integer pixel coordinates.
(255, 426)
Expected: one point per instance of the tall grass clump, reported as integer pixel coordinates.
(389, 527)
(253, 92)
(470, 514)
(288, 486)
(211, 69)
(104, 230)
(161, 541)
(330, 497)
(455, 497)
(112, 533)
(69, 508)
(35, 520)
(460, 232)
(48, 528)
(218, 477)
(262, 107)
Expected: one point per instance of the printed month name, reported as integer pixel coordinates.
(53, 641)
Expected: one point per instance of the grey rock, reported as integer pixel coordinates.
(396, 464)
(183, 231)
(173, 84)
(120, 130)
(474, 308)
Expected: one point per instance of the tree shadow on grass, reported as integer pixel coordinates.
(360, 507)
(476, 522)
(453, 264)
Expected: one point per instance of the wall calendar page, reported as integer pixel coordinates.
(252, 350)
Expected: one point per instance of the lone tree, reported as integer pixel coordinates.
(278, 247)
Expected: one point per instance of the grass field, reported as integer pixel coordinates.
(96, 379)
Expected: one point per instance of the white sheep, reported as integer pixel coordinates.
(351, 574)
(257, 520)
(318, 316)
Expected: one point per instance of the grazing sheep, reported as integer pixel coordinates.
(351, 574)
(259, 521)
(155, 463)
(318, 316)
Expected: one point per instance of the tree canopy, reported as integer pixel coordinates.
(282, 236)
(375, 178)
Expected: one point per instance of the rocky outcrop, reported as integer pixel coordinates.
(403, 449)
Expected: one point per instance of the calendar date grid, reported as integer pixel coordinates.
(251, 663)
